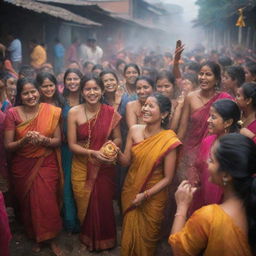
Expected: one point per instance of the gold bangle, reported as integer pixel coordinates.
(146, 194)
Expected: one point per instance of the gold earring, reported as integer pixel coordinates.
(225, 181)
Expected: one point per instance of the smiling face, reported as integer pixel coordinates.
(48, 88)
(109, 82)
(130, 75)
(165, 87)
(206, 78)
(151, 111)
(72, 82)
(29, 95)
(216, 124)
(143, 90)
(92, 92)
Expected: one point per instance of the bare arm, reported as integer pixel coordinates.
(12, 145)
(184, 118)
(131, 118)
(169, 169)
(72, 135)
(125, 158)
(177, 113)
(116, 136)
(183, 197)
(177, 56)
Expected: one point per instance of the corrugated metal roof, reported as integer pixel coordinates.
(54, 11)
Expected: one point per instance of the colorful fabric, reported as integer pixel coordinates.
(141, 225)
(36, 174)
(196, 132)
(210, 231)
(38, 57)
(69, 211)
(93, 184)
(207, 193)
(5, 233)
(252, 128)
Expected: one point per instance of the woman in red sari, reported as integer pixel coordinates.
(246, 99)
(90, 125)
(193, 126)
(32, 133)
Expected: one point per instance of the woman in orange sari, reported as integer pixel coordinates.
(151, 153)
(32, 133)
(90, 126)
(228, 229)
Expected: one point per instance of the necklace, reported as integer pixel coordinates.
(29, 116)
(87, 145)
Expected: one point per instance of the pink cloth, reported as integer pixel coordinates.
(207, 193)
(5, 233)
(252, 128)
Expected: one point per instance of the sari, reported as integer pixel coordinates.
(36, 174)
(5, 234)
(142, 224)
(210, 231)
(196, 132)
(94, 183)
(252, 128)
(69, 211)
(207, 193)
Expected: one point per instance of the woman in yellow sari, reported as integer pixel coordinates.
(151, 153)
(228, 229)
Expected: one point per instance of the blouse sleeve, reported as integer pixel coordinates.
(193, 238)
(10, 122)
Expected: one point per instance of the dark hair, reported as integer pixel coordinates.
(68, 71)
(166, 75)
(97, 80)
(249, 91)
(152, 72)
(193, 78)
(132, 65)
(225, 61)
(20, 84)
(105, 72)
(97, 66)
(165, 106)
(236, 73)
(251, 66)
(87, 63)
(228, 109)
(119, 62)
(150, 81)
(236, 155)
(27, 71)
(194, 66)
(57, 97)
(215, 68)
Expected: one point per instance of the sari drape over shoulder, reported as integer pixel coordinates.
(210, 232)
(36, 174)
(141, 225)
(196, 131)
(252, 128)
(207, 193)
(94, 183)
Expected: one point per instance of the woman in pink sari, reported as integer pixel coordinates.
(90, 126)
(193, 126)
(223, 118)
(246, 99)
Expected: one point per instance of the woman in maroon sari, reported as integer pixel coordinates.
(193, 126)
(246, 99)
(90, 126)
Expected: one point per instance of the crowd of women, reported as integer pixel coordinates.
(135, 134)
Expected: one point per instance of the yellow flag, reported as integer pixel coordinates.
(240, 21)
